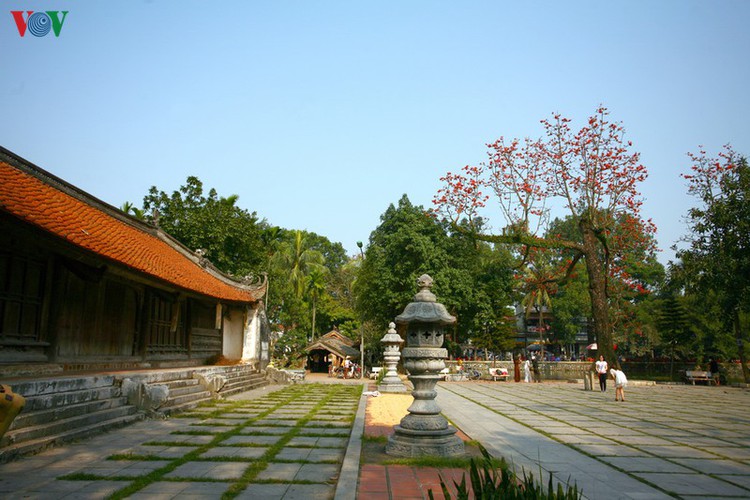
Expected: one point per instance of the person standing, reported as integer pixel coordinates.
(517, 368)
(527, 371)
(602, 370)
(620, 382)
(535, 368)
(713, 367)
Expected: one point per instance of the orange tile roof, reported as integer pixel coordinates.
(45, 206)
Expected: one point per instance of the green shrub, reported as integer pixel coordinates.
(380, 377)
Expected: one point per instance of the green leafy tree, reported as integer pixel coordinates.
(572, 308)
(408, 243)
(718, 257)
(677, 335)
(229, 235)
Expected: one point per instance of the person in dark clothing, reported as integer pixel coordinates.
(713, 367)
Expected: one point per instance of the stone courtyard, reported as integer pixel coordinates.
(304, 441)
(664, 441)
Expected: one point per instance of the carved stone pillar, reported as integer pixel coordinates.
(391, 381)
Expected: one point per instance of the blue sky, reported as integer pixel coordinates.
(319, 114)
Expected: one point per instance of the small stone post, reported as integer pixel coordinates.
(424, 431)
(392, 342)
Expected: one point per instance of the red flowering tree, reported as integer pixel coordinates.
(592, 172)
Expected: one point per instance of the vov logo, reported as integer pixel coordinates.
(39, 23)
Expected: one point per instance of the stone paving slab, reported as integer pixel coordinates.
(160, 451)
(678, 441)
(251, 440)
(111, 468)
(277, 423)
(715, 466)
(196, 471)
(170, 489)
(693, 484)
(251, 429)
(184, 439)
(199, 466)
(246, 452)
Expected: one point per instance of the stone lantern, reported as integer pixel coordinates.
(392, 342)
(424, 432)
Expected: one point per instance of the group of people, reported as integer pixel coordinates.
(347, 369)
(531, 371)
(621, 381)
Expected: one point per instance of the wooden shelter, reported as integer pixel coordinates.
(85, 286)
(330, 350)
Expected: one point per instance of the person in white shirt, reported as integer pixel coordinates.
(620, 382)
(601, 370)
(527, 371)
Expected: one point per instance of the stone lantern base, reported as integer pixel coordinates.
(412, 443)
(392, 386)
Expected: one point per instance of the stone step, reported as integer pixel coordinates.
(244, 384)
(33, 388)
(60, 412)
(183, 383)
(46, 401)
(19, 449)
(72, 407)
(186, 400)
(186, 390)
(184, 403)
(57, 427)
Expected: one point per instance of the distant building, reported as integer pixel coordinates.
(85, 286)
(330, 350)
(528, 328)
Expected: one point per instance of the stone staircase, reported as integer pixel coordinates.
(62, 409)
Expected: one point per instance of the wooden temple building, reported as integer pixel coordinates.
(105, 319)
(84, 286)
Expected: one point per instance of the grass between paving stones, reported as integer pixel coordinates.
(138, 483)
(263, 462)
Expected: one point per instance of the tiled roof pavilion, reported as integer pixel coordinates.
(45, 201)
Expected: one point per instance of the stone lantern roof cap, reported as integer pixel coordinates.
(425, 308)
(392, 336)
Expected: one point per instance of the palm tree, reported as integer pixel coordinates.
(316, 286)
(539, 284)
(129, 208)
(296, 260)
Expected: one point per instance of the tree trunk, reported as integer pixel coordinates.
(313, 321)
(740, 345)
(598, 293)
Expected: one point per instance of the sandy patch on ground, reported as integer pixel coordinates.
(385, 411)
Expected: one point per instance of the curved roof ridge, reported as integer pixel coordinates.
(45, 201)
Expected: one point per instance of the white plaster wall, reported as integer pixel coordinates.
(234, 323)
(254, 349)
